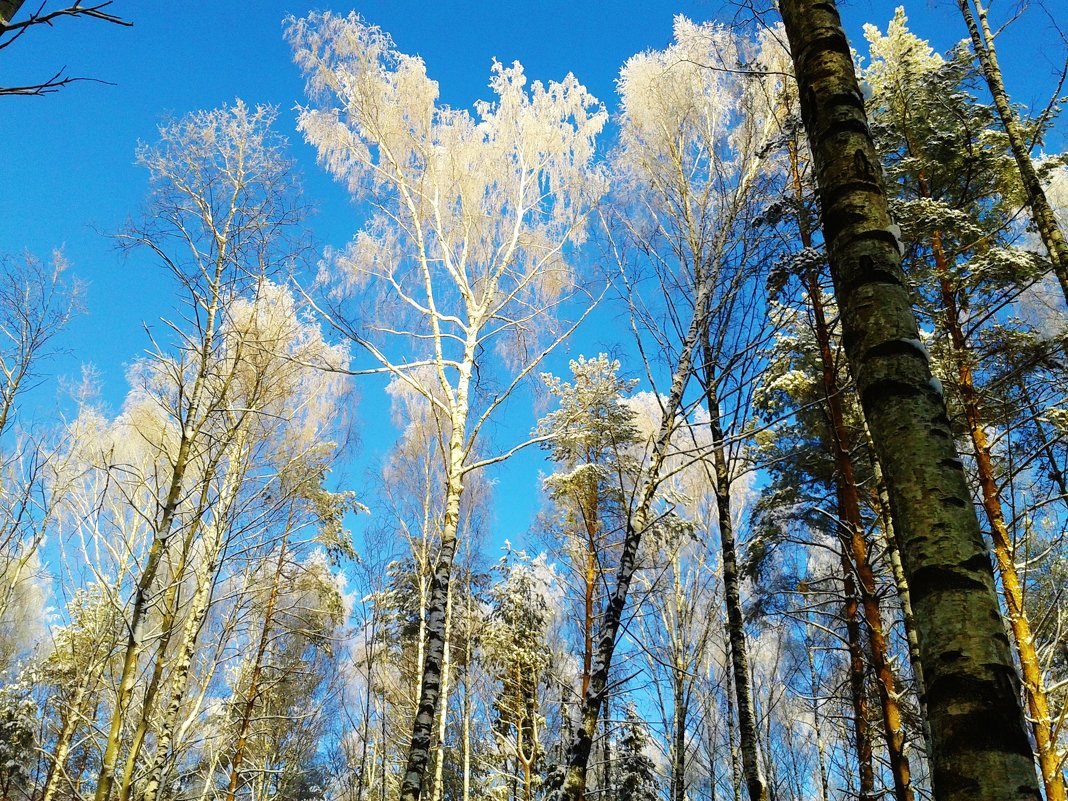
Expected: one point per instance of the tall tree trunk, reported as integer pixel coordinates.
(1011, 587)
(214, 546)
(418, 756)
(853, 539)
(736, 767)
(443, 710)
(191, 425)
(980, 745)
(858, 698)
(755, 782)
(589, 589)
(573, 787)
(433, 661)
(1049, 229)
(678, 748)
(128, 672)
(253, 692)
(183, 666)
(467, 698)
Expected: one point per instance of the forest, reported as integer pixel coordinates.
(776, 335)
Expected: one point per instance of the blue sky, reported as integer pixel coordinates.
(68, 177)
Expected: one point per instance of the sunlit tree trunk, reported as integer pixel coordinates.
(1034, 683)
(252, 692)
(980, 747)
(433, 662)
(214, 546)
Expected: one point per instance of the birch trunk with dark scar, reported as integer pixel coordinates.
(755, 782)
(1049, 228)
(443, 707)
(736, 769)
(980, 747)
(160, 538)
(148, 704)
(858, 698)
(434, 653)
(678, 760)
(578, 754)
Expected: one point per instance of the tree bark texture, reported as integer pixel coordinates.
(980, 746)
(433, 663)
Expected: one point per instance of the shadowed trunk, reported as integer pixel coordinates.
(755, 782)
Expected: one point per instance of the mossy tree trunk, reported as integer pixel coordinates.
(980, 747)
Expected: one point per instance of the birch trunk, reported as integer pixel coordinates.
(857, 669)
(443, 713)
(980, 746)
(253, 691)
(214, 547)
(434, 653)
(1049, 229)
(755, 782)
(573, 787)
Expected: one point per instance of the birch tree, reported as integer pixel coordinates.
(691, 159)
(463, 250)
(971, 682)
(218, 222)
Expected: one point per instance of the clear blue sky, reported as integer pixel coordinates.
(68, 176)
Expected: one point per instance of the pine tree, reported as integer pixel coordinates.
(637, 772)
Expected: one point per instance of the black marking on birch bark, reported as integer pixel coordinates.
(932, 579)
(831, 39)
(887, 389)
(897, 347)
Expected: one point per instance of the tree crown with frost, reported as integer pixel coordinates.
(471, 212)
